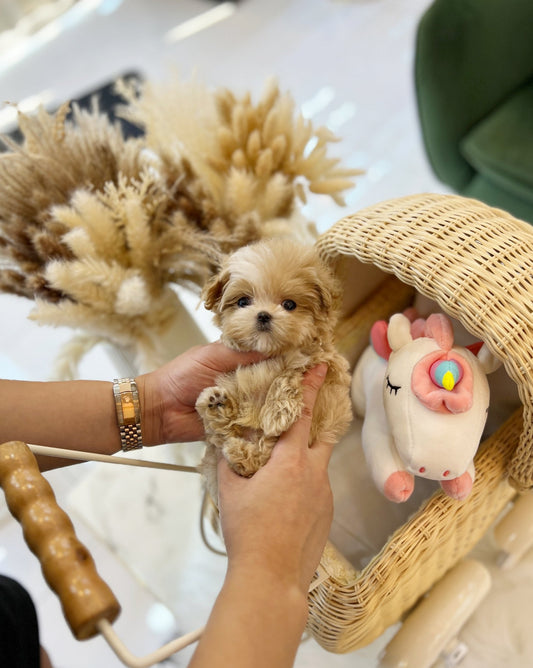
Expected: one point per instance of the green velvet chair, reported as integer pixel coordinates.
(474, 89)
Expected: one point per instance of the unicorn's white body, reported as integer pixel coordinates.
(424, 403)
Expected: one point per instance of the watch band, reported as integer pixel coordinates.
(128, 413)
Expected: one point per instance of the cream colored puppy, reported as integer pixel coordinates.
(276, 297)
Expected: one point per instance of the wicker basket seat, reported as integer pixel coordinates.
(476, 262)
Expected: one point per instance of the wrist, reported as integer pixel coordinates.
(277, 564)
(151, 410)
(280, 590)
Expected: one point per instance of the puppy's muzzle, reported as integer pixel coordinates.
(264, 320)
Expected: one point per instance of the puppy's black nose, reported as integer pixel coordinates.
(263, 320)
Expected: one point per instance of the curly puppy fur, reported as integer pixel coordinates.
(276, 297)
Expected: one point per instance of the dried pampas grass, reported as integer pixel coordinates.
(99, 229)
(252, 158)
(55, 160)
(89, 230)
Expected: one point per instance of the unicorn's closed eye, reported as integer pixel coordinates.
(424, 403)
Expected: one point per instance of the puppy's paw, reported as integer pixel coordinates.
(211, 398)
(277, 418)
(282, 406)
(246, 457)
(214, 406)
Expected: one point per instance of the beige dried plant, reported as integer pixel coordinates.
(90, 231)
(252, 158)
(55, 160)
(126, 249)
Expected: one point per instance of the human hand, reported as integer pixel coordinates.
(276, 523)
(168, 394)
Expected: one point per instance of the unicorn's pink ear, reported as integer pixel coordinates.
(439, 327)
(418, 328)
(378, 338)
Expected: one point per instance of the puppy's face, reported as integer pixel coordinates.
(272, 297)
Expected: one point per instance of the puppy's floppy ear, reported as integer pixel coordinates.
(213, 289)
(327, 289)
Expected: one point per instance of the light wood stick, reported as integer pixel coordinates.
(47, 451)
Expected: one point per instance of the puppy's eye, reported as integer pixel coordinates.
(288, 304)
(244, 301)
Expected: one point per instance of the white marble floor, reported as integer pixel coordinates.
(348, 64)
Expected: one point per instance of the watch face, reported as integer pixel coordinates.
(128, 407)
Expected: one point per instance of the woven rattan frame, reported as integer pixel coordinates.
(477, 263)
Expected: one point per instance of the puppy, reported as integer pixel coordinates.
(278, 298)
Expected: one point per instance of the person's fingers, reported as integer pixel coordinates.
(312, 382)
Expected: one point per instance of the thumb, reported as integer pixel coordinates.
(312, 382)
(227, 358)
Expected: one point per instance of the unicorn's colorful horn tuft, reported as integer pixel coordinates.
(446, 373)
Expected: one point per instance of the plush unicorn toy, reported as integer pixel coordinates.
(424, 403)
